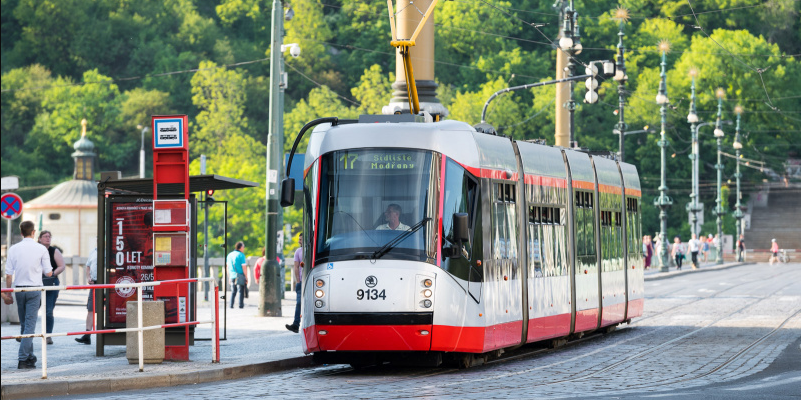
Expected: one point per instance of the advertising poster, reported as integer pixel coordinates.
(130, 254)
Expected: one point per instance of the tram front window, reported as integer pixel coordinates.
(377, 203)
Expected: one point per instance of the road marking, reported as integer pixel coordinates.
(769, 382)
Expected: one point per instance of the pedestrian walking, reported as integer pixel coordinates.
(741, 249)
(647, 250)
(694, 246)
(237, 265)
(297, 270)
(716, 246)
(705, 247)
(27, 262)
(658, 246)
(57, 263)
(259, 263)
(774, 250)
(91, 278)
(677, 252)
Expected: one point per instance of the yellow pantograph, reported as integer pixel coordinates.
(403, 46)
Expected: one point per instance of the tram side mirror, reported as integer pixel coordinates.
(287, 192)
(461, 230)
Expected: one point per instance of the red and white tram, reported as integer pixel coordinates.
(497, 242)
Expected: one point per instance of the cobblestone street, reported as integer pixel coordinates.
(698, 331)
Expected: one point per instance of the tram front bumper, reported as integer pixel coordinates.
(373, 331)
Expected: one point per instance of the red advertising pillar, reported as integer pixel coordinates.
(171, 223)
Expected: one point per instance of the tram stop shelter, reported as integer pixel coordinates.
(125, 231)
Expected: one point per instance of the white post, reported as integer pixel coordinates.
(43, 311)
(139, 333)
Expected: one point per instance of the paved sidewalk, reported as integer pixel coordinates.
(653, 273)
(254, 345)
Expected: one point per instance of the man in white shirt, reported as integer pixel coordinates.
(694, 246)
(392, 216)
(27, 262)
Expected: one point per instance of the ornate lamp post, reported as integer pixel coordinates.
(738, 213)
(622, 15)
(570, 42)
(719, 211)
(663, 201)
(692, 118)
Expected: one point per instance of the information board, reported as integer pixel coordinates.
(130, 253)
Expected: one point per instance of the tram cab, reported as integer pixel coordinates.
(427, 239)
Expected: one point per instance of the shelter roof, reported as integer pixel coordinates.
(197, 183)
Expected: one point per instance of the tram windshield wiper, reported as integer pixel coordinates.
(391, 244)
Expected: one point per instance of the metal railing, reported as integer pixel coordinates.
(215, 336)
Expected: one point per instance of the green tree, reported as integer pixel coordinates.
(220, 129)
(373, 91)
(322, 102)
(219, 94)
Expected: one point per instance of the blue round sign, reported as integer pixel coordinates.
(10, 206)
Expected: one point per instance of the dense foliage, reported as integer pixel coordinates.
(115, 63)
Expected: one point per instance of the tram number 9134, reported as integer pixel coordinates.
(371, 294)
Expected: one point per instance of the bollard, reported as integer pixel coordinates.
(145, 347)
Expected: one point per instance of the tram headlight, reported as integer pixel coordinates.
(319, 293)
(320, 283)
(319, 303)
(427, 293)
(426, 303)
(427, 283)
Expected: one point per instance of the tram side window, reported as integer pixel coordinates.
(534, 244)
(461, 195)
(589, 224)
(632, 225)
(504, 235)
(579, 206)
(546, 233)
(585, 227)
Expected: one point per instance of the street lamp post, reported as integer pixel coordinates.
(663, 201)
(144, 130)
(570, 42)
(738, 213)
(621, 14)
(692, 118)
(719, 211)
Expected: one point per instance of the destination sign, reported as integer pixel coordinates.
(379, 160)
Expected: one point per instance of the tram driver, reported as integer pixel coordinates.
(392, 217)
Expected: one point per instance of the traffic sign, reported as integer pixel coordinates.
(10, 183)
(10, 206)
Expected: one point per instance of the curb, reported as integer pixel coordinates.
(106, 385)
(673, 274)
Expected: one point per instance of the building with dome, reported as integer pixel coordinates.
(69, 210)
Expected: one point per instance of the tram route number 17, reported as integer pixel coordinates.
(348, 157)
(371, 294)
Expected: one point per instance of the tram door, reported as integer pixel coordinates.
(212, 231)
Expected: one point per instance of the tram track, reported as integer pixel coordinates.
(591, 371)
(733, 357)
(697, 299)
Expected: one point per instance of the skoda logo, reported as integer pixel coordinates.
(371, 281)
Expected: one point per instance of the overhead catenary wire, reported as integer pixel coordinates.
(321, 85)
(759, 71)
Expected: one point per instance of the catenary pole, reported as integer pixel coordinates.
(269, 301)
